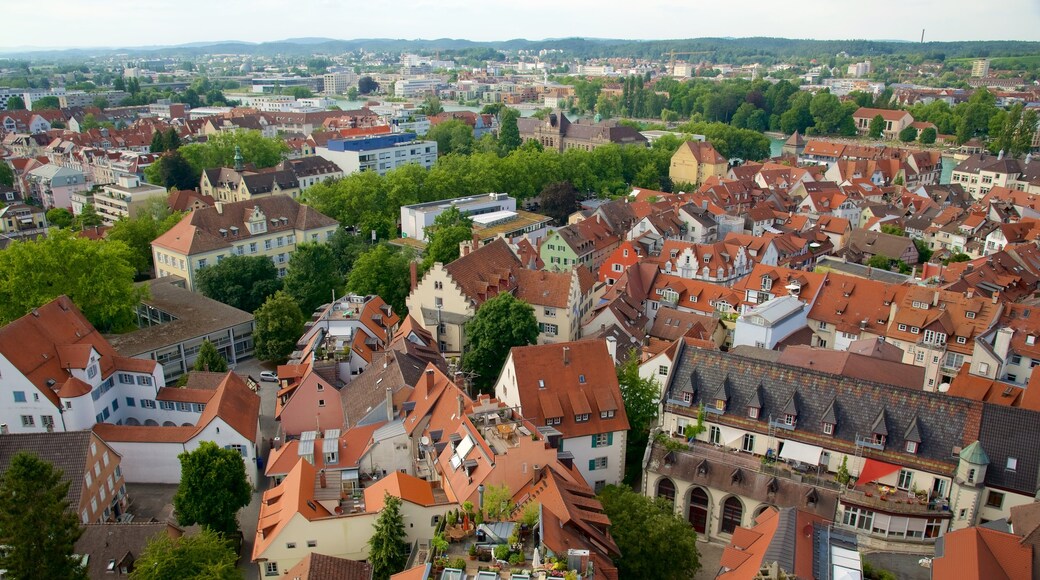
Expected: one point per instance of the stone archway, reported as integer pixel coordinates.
(732, 515)
(698, 512)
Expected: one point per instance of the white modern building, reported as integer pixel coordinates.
(406, 88)
(416, 218)
(771, 322)
(123, 199)
(379, 153)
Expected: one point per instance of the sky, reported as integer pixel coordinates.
(119, 23)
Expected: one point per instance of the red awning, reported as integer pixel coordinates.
(874, 470)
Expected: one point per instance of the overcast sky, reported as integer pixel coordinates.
(153, 22)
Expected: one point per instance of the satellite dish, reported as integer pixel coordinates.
(424, 440)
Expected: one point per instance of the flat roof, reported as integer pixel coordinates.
(860, 271)
(460, 201)
(523, 219)
(196, 316)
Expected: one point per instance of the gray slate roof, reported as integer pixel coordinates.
(66, 451)
(855, 407)
(1011, 432)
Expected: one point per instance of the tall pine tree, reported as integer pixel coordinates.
(388, 549)
(37, 529)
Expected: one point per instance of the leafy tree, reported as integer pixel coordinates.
(894, 230)
(60, 217)
(6, 174)
(431, 106)
(172, 171)
(640, 397)
(449, 229)
(15, 104)
(388, 546)
(493, 109)
(89, 122)
(797, 117)
(209, 359)
(558, 201)
(927, 136)
(244, 282)
(876, 127)
(204, 555)
(648, 177)
(1022, 142)
(346, 247)
(219, 151)
(171, 139)
(827, 113)
(352, 94)
(213, 488)
(654, 542)
(384, 271)
(138, 232)
(498, 502)
(880, 261)
(37, 529)
(89, 217)
(452, 136)
(312, 278)
(279, 324)
(908, 134)
(508, 131)
(958, 257)
(500, 324)
(96, 275)
(924, 253)
(158, 143)
(367, 86)
(44, 103)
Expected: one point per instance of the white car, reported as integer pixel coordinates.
(269, 376)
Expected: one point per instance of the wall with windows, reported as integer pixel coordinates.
(103, 497)
(23, 408)
(600, 458)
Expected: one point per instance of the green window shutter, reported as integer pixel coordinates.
(594, 437)
(610, 438)
(592, 465)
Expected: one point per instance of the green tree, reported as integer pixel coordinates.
(96, 275)
(44, 103)
(206, 555)
(448, 230)
(139, 232)
(89, 122)
(172, 171)
(508, 131)
(894, 230)
(158, 143)
(927, 136)
(827, 112)
(924, 253)
(366, 85)
(89, 217)
(37, 528)
(431, 106)
(876, 127)
(1024, 132)
(244, 282)
(313, 278)
(558, 201)
(15, 104)
(171, 139)
(219, 150)
(213, 488)
(279, 324)
(908, 134)
(641, 397)
(654, 542)
(209, 359)
(452, 136)
(60, 217)
(498, 503)
(500, 324)
(352, 94)
(6, 174)
(384, 271)
(388, 546)
(880, 261)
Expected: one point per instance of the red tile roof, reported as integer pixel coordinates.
(983, 554)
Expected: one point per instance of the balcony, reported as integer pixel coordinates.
(896, 502)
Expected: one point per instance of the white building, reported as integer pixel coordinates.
(124, 199)
(417, 217)
(379, 153)
(339, 83)
(770, 322)
(406, 88)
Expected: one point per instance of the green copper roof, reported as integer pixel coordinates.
(975, 454)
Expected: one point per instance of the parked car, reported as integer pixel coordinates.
(269, 376)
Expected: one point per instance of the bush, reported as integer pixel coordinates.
(516, 559)
(501, 552)
(457, 563)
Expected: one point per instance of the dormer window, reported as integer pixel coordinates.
(553, 421)
(828, 428)
(1012, 464)
(752, 412)
(720, 404)
(962, 340)
(789, 419)
(920, 305)
(581, 417)
(581, 379)
(687, 397)
(879, 439)
(915, 330)
(911, 446)
(767, 283)
(969, 314)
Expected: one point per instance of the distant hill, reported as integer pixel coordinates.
(733, 50)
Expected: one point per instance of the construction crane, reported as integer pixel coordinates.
(673, 54)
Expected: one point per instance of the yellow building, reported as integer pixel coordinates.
(268, 226)
(694, 162)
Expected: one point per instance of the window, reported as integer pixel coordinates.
(788, 419)
(47, 421)
(19, 396)
(581, 417)
(549, 329)
(28, 421)
(241, 449)
(687, 397)
(115, 405)
(438, 285)
(911, 446)
(290, 545)
(126, 378)
(144, 381)
(581, 379)
(828, 428)
(105, 458)
(606, 414)
(971, 476)
(859, 518)
(602, 440)
(920, 356)
(270, 568)
(1016, 359)
(147, 404)
(902, 327)
(905, 480)
(91, 371)
(88, 479)
(823, 326)
(749, 443)
(321, 402)
(720, 404)
(1012, 464)
(597, 464)
(662, 370)
(550, 312)
(962, 340)
(553, 421)
(184, 406)
(1012, 378)
(915, 330)
(995, 499)
(166, 405)
(752, 412)
(715, 435)
(312, 543)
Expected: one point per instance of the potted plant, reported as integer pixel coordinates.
(516, 558)
(472, 551)
(457, 563)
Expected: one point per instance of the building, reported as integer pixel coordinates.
(97, 492)
(865, 244)
(53, 185)
(59, 374)
(125, 198)
(694, 162)
(417, 217)
(558, 133)
(339, 83)
(562, 301)
(769, 323)
(379, 153)
(311, 170)
(450, 294)
(173, 322)
(980, 173)
(267, 226)
(110, 550)
(980, 68)
(572, 387)
(22, 220)
(315, 566)
(233, 185)
(226, 413)
(982, 553)
(416, 87)
(895, 121)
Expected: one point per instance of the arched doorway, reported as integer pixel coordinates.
(169, 424)
(666, 490)
(759, 511)
(151, 423)
(732, 515)
(132, 421)
(699, 510)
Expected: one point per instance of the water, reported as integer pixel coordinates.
(448, 106)
(776, 146)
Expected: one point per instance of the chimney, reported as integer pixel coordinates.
(1002, 343)
(389, 404)
(566, 355)
(970, 293)
(220, 207)
(996, 297)
(321, 479)
(612, 348)
(429, 380)
(460, 409)
(414, 270)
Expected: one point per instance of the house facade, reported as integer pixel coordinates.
(695, 162)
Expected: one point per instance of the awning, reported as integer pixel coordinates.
(874, 470)
(731, 437)
(793, 450)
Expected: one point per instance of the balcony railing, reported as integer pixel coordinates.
(898, 502)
